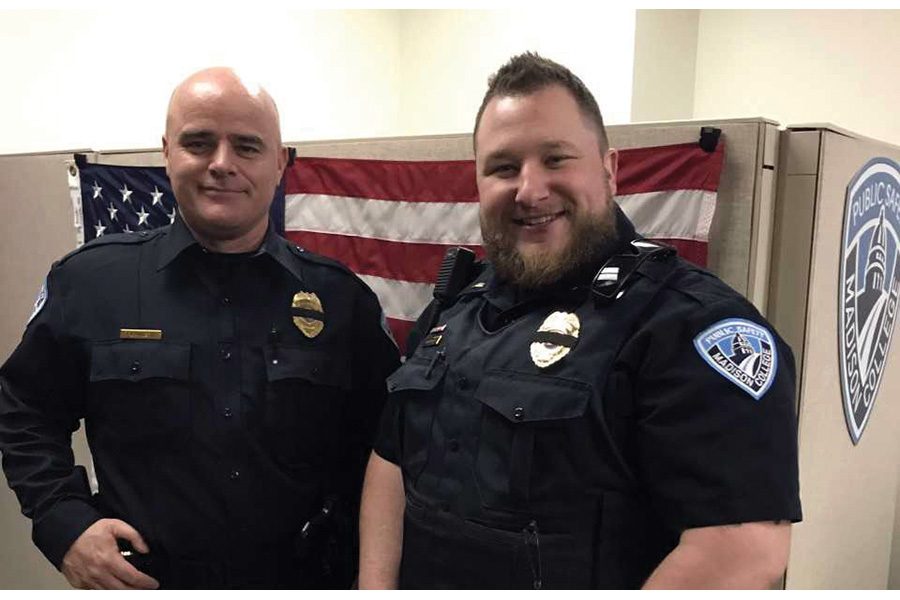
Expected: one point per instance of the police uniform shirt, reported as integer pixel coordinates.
(219, 425)
(633, 433)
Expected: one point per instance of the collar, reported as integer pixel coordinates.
(504, 296)
(179, 238)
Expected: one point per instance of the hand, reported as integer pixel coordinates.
(94, 562)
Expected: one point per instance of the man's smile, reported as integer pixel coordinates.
(538, 220)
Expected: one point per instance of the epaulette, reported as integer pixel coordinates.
(702, 286)
(318, 258)
(115, 239)
(325, 261)
(479, 283)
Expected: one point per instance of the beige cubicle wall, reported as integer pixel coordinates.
(38, 227)
(849, 492)
(37, 222)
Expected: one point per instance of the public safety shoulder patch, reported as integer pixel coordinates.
(742, 352)
(39, 303)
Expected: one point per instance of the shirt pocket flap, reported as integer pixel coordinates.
(137, 360)
(417, 375)
(316, 365)
(526, 398)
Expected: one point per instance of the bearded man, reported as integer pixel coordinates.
(591, 411)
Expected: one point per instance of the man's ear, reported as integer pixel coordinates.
(283, 157)
(165, 143)
(611, 164)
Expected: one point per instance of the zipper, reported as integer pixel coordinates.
(533, 546)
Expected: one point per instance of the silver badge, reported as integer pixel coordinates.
(554, 339)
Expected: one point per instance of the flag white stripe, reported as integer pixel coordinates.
(453, 223)
(672, 214)
(400, 299)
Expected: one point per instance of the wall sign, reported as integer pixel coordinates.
(869, 286)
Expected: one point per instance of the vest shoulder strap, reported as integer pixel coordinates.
(618, 272)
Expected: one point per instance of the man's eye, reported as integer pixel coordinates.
(248, 150)
(556, 160)
(196, 146)
(502, 170)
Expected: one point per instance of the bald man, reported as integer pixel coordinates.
(229, 381)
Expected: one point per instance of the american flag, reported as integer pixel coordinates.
(127, 199)
(391, 221)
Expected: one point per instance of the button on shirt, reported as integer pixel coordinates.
(218, 438)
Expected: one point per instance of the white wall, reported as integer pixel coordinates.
(800, 66)
(448, 56)
(101, 79)
(665, 60)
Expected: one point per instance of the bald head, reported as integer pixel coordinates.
(209, 85)
(224, 157)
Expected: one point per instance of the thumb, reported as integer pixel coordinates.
(122, 530)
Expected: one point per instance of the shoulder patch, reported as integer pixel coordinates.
(742, 352)
(39, 303)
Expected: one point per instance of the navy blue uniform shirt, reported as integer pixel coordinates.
(220, 438)
(670, 408)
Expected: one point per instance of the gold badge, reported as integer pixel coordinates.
(309, 316)
(554, 339)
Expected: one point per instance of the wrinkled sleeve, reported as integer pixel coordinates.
(375, 357)
(387, 441)
(41, 387)
(709, 451)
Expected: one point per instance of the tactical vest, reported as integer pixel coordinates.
(513, 476)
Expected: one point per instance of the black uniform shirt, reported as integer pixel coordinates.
(667, 440)
(220, 438)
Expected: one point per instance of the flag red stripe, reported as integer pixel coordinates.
(400, 330)
(408, 181)
(680, 166)
(677, 167)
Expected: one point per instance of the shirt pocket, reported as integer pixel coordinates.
(533, 439)
(415, 387)
(140, 393)
(306, 391)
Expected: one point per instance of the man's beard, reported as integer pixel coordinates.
(591, 237)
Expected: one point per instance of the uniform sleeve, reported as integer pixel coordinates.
(716, 433)
(387, 441)
(40, 399)
(375, 356)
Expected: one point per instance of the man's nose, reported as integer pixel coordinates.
(222, 162)
(533, 184)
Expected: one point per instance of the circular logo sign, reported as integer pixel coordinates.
(869, 286)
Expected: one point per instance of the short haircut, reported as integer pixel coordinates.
(528, 73)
